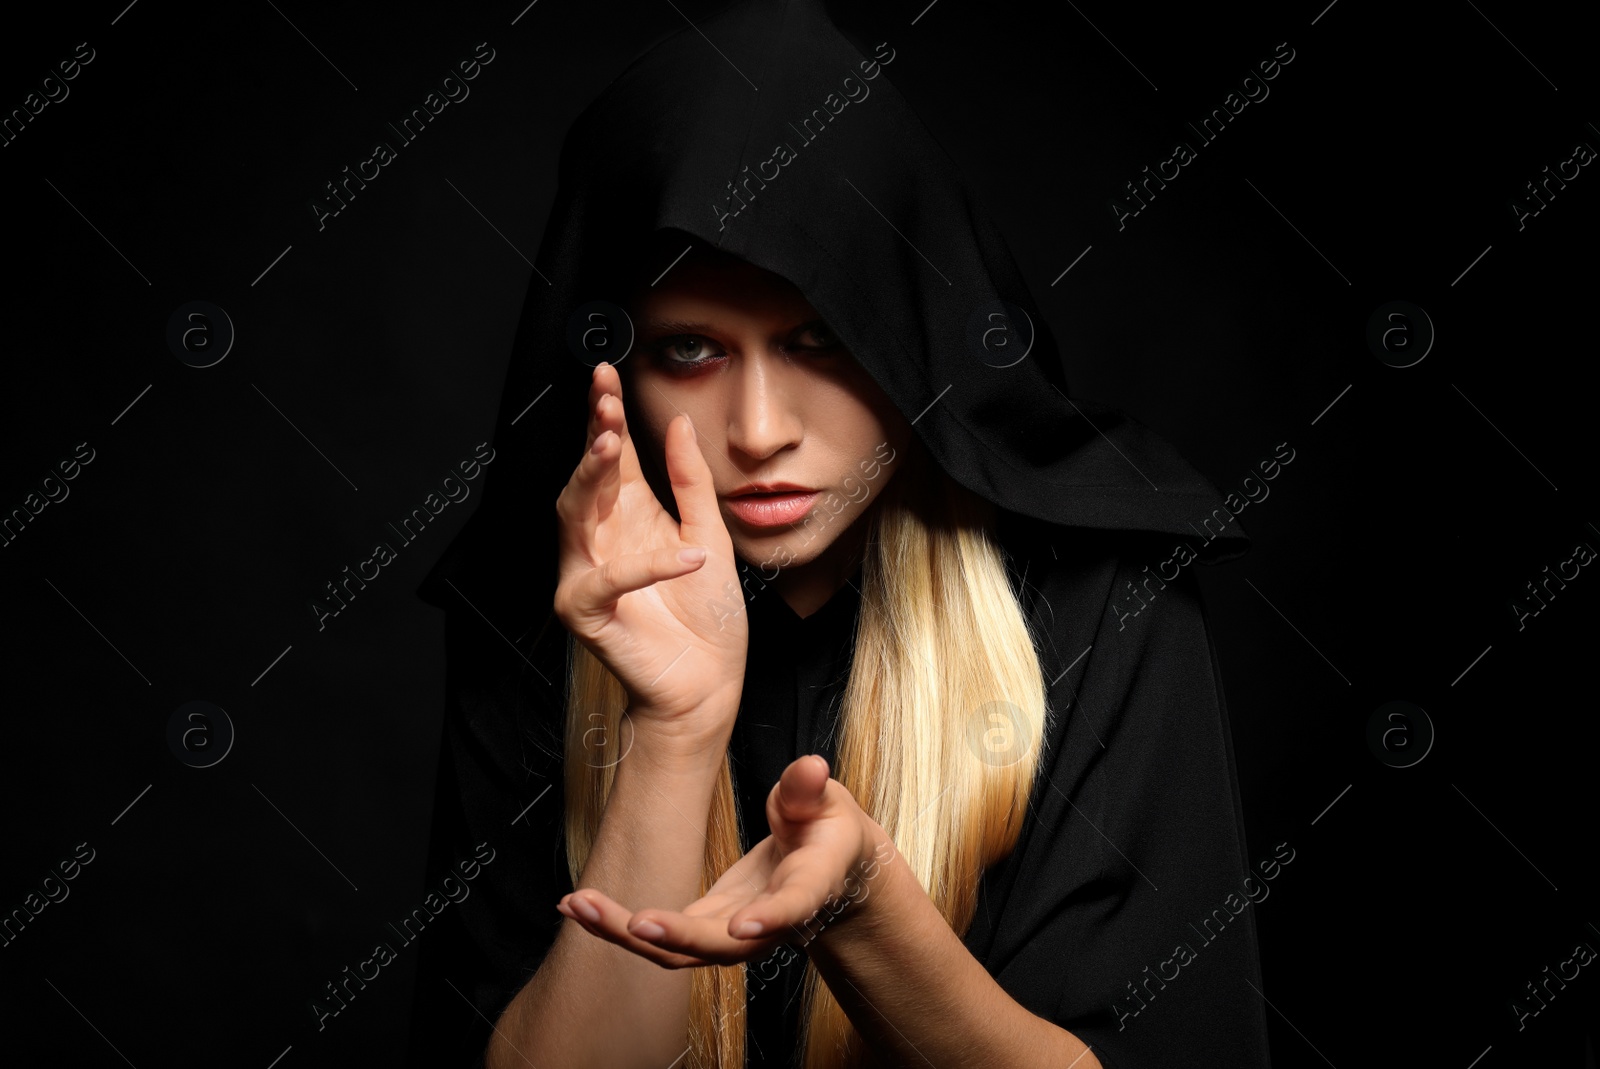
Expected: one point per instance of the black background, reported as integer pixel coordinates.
(1229, 315)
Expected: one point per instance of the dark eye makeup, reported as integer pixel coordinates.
(697, 350)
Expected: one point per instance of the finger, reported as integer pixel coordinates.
(613, 927)
(606, 382)
(800, 793)
(579, 504)
(595, 591)
(700, 521)
(703, 938)
(799, 908)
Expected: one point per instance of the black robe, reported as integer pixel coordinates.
(1123, 915)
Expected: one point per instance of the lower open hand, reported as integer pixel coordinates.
(819, 836)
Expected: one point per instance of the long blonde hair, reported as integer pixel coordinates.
(943, 661)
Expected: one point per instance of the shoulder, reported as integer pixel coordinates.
(1127, 659)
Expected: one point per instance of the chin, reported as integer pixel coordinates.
(782, 545)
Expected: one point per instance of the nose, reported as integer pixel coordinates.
(763, 409)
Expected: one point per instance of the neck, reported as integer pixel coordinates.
(807, 588)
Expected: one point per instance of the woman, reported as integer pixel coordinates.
(1025, 798)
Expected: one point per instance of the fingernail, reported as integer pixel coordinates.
(599, 443)
(648, 930)
(692, 554)
(584, 907)
(748, 928)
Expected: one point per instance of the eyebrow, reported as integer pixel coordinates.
(678, 326)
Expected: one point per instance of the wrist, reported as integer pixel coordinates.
(673, 749)
(878, 854)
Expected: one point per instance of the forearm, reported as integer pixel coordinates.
(918, 996)
(649, 848)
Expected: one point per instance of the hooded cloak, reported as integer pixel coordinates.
(1115, 915)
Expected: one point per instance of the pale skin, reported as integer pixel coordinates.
(772, 398)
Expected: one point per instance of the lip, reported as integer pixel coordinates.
(775, 509)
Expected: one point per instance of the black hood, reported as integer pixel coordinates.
(765, 132)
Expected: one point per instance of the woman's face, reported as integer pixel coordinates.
(775, 399)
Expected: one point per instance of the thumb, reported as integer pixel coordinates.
(803, 785)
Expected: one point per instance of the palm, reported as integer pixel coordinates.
(790, 866)
(701, 611)
(793, 882)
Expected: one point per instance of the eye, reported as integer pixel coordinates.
(693, 350)
(820, 335)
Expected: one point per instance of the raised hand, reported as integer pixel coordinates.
(671, 629)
